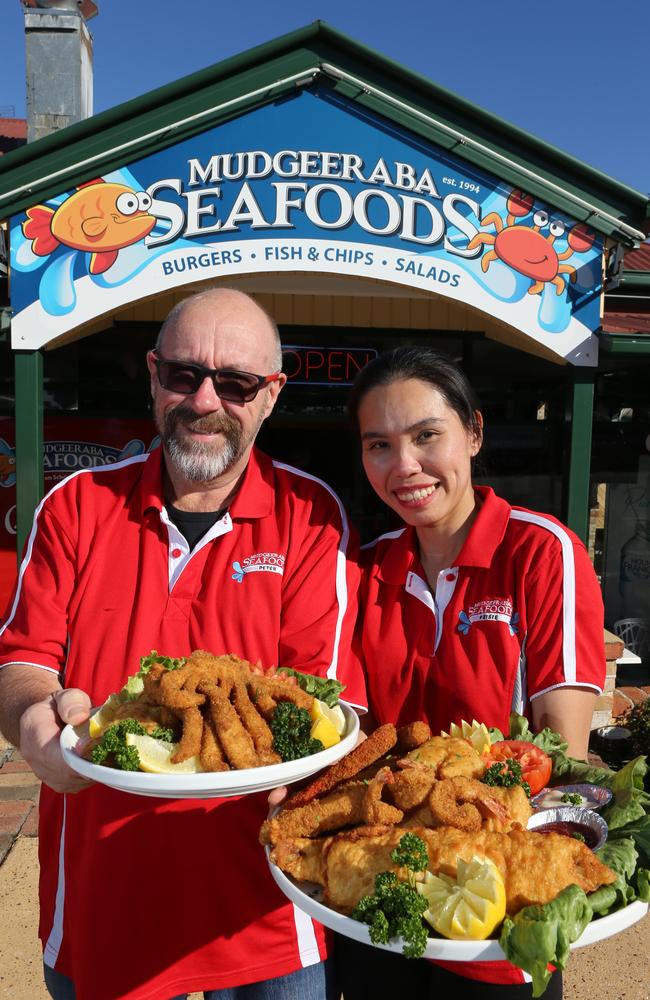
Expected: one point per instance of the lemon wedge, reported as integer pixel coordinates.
(476, 732)
(320, 710)
(325, 731)
(469, 907)
(102, 718)
(328, 724)
(155, 756)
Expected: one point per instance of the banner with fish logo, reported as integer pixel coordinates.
(308, 184)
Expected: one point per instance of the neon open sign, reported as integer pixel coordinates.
(325, 365)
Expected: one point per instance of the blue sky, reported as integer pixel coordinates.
(574, 74)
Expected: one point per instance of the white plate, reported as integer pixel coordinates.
(209, 784)
(307, 897)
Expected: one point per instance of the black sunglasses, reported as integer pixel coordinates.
(186, 378)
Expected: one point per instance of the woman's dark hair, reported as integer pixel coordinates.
(426, 365)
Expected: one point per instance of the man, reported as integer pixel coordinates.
(145, 897)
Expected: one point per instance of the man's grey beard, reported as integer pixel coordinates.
(198, 461)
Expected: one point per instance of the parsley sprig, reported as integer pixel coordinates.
(395, 909)
(506, 774)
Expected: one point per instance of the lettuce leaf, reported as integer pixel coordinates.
(603, 900)
(324, 688)
(621, 856)
(547, 740)
(135, 685)
(538, 935)
(643, 884)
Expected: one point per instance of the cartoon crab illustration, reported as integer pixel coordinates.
(526, 250)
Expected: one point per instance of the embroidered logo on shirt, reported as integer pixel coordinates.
(498, 609)
(260, 562)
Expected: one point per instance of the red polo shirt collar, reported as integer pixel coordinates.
(480, 545)
(255, 497)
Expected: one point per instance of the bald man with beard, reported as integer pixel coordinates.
(204, 543)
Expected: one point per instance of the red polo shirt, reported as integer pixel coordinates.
(143, 897)
(518, 614)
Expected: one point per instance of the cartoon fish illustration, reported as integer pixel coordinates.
(100, 218)
(7, 464)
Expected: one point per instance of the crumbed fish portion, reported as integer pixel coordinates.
(341, 808)
(364, 754)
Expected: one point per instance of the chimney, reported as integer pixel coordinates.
(59, 64)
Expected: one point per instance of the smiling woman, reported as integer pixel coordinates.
(475, 608)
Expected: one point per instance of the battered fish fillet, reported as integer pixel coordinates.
(535, 866)
(302, 858)
(378, 743)
(450, 756)
(340, 808)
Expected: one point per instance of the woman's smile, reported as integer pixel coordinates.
(417, 454)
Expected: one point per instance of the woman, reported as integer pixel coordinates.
(472, 610)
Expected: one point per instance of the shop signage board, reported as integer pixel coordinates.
(70, 445)
(311, 183)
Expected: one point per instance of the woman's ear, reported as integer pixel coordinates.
(477, 433)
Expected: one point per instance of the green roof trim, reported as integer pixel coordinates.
(622, 343)
(228, 89)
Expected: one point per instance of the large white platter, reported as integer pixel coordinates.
(209, 784)
(307, 897)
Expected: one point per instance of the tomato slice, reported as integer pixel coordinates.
(536, 766)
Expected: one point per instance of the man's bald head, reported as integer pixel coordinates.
(226, 307)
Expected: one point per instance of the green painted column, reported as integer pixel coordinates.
(29, 440)
(582, 409)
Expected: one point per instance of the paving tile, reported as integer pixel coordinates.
(10, 778)
(14, 766)
(21, 790)
(13, 815)
(6, 843)
(30, 826)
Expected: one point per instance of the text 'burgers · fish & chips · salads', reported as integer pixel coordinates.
(213, 713)
(424, 839)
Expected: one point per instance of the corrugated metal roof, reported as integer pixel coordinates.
(626, 322)
(13, 133)
(13, 128)
(637, 260)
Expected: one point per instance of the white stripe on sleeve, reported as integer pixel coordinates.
(568, 589)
